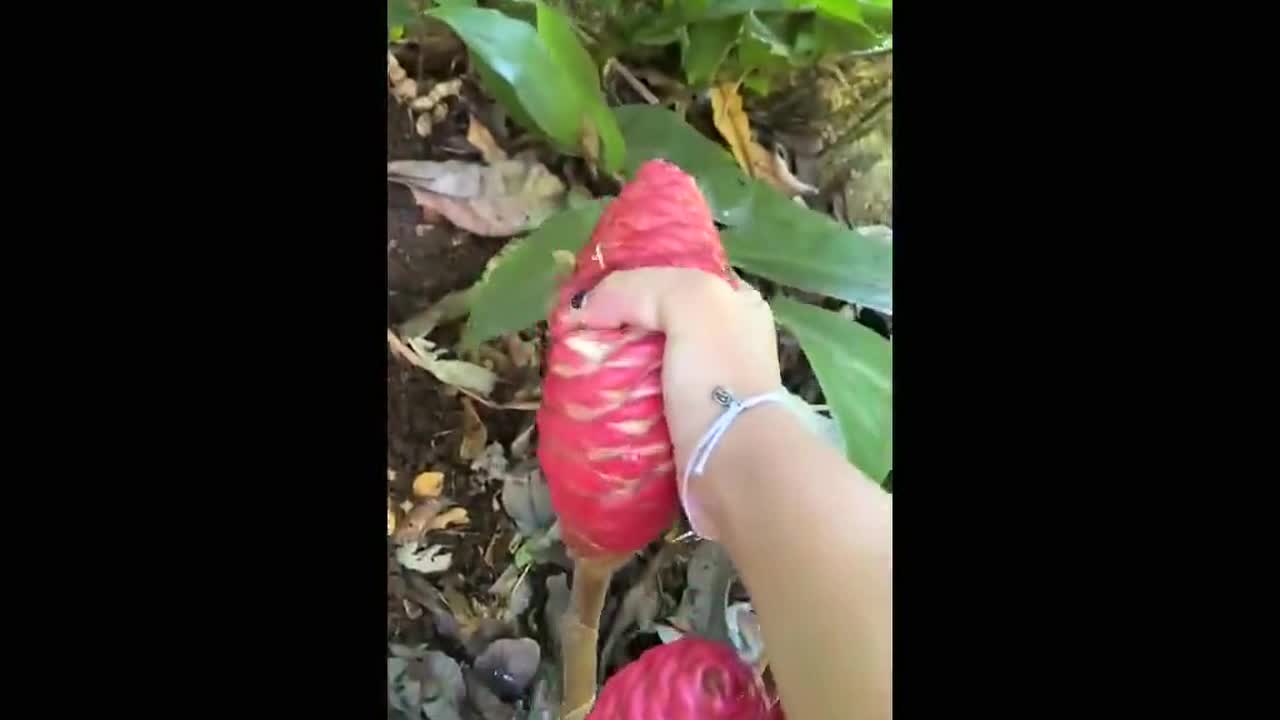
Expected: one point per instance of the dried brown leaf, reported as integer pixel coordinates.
(428, 484)
(498, 200)
(452, 516)
(474, 433)
(405, 90)
(590, 140)
(479, 136)
(418, 521)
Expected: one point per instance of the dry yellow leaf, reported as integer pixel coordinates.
(391, 518)
(474, 434)
(452, 516)
(590, 140)
(479, 136)
(428, 484)
(418, 521)
(731, 120)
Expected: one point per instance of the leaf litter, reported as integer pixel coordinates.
(505, 198)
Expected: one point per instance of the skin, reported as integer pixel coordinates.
(811, 536)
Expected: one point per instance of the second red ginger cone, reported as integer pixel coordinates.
(602, 439)
(689, 679)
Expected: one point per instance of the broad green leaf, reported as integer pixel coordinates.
(854, 366)
(504, 93)
(513, 52)
(573, 58)
(809, 250)
(768, 234)
(663, 28)
(837, 35)
(400, 13)
(654, 132)
(762, 50)
(520, 288)
(848, 10)
(709, 43)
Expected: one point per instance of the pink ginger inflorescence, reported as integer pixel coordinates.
(603, 442)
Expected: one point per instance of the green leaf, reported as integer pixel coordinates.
(503, 93)
(653, 132)
(809, 250)
(768, 234)
(569, 54)
(520, 288)
(400, 13)
(709, 43)
(837, 35)
(854, 366)
(513, 52)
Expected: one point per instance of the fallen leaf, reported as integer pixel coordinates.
(425, 683)
(486, 701)
(474, 432)
(395, 73)
(556, 606)
(508, 665)
(432, 559)
(498, 200)
(439, 92)
(520, 446)
(452, 306)
(452, 516)
(590, 140)
(405, 90)
(744, 632)
(666, 633)
(391, 518)
(527, 500)
(459, 373)
(639, 607)
(706, 593)
(480, 137)
(428, 484)
(418, 521)
(731, 120)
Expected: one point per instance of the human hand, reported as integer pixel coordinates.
(714, 336)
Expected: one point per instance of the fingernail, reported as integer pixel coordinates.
(575, 302)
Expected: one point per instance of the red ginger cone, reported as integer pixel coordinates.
(689, 679)
(602, 440)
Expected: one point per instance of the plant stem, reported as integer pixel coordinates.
(580, 632)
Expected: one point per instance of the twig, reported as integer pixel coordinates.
(634, 82)
(580, 632)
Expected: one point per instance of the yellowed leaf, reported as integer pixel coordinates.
(731, 120)
(479, 136)
(474, 434)
(590, 139)
(417, 522)
(452, 516)
(428, 484)
(391, 518)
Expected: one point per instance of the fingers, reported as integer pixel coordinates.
(650, 299)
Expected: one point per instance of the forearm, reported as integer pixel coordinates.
(812, 538)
